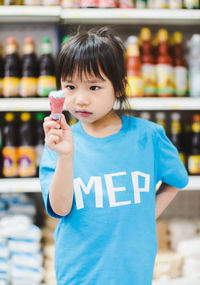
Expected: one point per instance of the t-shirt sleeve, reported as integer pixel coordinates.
(170, 168)
(46, 172)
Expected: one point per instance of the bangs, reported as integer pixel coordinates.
(81, 60)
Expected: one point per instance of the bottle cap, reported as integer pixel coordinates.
(196, 117)
(160, 116)
(162, 35)
(25, 117)
(46, 40)
(65, 38)
(40, 116)
(177, 37)
(175, 116)
(9, 117)
(145, 34)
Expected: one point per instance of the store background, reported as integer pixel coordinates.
(21, 205)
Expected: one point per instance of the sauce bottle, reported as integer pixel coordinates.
(1, 70)
(88, 3)
(12, 69)
(47, 79)
(164, 67)
(176, 134)
(180, 66)
(134, 69)
(191, 4)
(39, 139)
(161, 119)
(194, 156)
(28, 86)
(148, 64)
(9, 146)
(26, 149)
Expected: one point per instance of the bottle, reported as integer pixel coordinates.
(28, 86)
(145, 115)
(175, 4)
(47, 79)
(126, 4)
(107, 4)
(9, 146)
(88, 3)
(194, 66)
(12, 69)
(176, 134)
(69, 3)
(141, 4)
(1, 144)
(194, 156)
(164, 67)
(161, 120)
(160, 4)
(50, 2)
(148, 64)
(1, 70)
(134, 69)
(32, 2)
(39, 139)
(26, 149)
(180, 67)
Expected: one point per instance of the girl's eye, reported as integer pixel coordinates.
(94, 88)
(70, 87)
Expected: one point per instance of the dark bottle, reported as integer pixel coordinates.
(176, 134)
(28, 86)
(9, 147)
(26, 149)
(1, 158)
(12, 69)
(39, 139)
(1, 70)
(194, 154)
(47, 79)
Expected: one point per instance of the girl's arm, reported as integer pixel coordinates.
(59, 138)
(164, 196)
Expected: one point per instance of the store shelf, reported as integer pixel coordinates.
(9, 185)
(128, 16)
(29, 14)
(42, 104)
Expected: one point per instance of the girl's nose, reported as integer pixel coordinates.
(82, 99)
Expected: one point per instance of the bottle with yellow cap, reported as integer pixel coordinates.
(12, 69)
(9, 146)
(164, 67)
(194, 155)
(1, 70)
(148, 64)
(134, 68)
(26, 149)
(180, 66)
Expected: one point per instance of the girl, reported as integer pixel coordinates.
(99, 176)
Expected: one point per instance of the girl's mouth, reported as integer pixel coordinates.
(83, 113)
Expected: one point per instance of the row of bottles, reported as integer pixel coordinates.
(27, 77)
(21, 144)
(155, 4)
(158, 66)
(184, 132)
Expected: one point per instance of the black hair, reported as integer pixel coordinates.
(94, 52)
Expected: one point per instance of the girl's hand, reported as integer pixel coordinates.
(58, 136)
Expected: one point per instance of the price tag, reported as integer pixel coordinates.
(174, 107)
(124, 15)
(76, 15)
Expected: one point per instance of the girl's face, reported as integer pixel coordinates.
(89, 99)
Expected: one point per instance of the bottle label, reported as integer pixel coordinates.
(194, 164)
(181, 81)
(175, 4)
(149, 79)
(189, 4)
(9, 161)
(106, 4)
(160, 4)
(11, 86)
(39, 150)
(165, 80)
(182, 157)
(27, 161)
(194, 79)
(196, 127)
(1, 86)
(175, 127)
(32, 2)
(69, 3)
(88, 3)
(126, 4)
(134, 86)
(50, 2)
(46, 84)
(28, 87)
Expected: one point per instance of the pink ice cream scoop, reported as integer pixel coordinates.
(56, 99)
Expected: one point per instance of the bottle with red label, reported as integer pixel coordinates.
(164, 67)
(47, 79)
(180, 66)
(1, 70)
(12, 69)
(26, 149)
(9, 146)
(194, 155)
(134, 68)
(148, 64)
(28, 86)
(107, 4)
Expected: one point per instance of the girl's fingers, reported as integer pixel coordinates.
(50, 124)
(52, 140)
(55, 132)
(63, 123)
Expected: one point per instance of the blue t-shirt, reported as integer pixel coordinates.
(109, 237)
